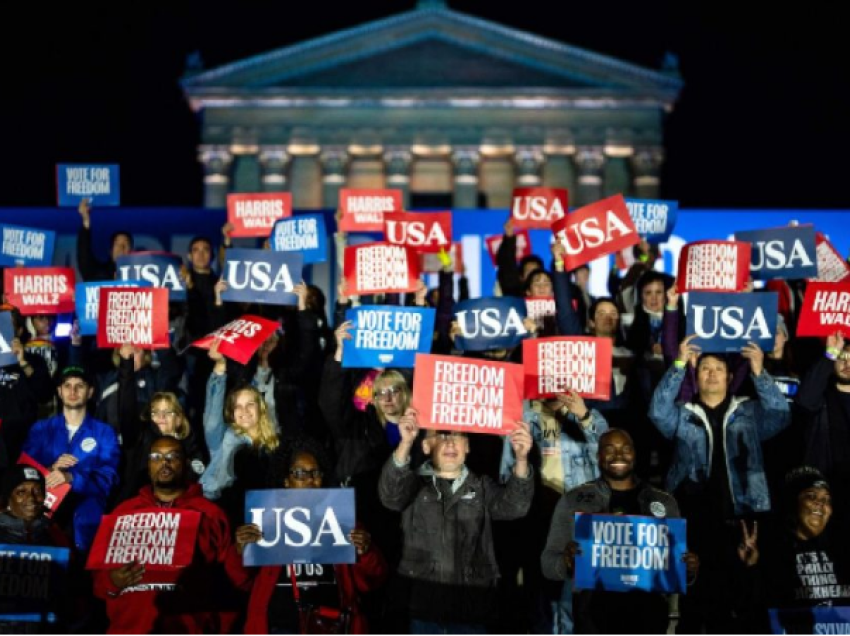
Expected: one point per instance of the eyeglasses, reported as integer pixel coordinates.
(165, 457)
(388, 392)
(156, 414)
(455, 438)
(301, 474)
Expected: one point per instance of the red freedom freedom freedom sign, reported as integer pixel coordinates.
(423, 231)
(539, 307)
(523, 245)
(363, 210)
(53, 497)
(254, 215)
(538, 207)
(431, 264)
(158, 538)
(596, 230)
(714, 266)
(461, 394)
(380, 268)
(240, 338)
(40, 290)
(560, 364)
(831, 267)
(825, 310)
(135, 315)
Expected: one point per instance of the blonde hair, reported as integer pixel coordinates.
(266, 432)
(393, 378)
(181, 426)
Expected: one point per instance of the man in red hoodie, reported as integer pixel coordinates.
(190, 600)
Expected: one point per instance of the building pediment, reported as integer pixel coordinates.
(431, 49)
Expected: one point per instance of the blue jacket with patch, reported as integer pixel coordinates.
(94, 476)
(746, 424)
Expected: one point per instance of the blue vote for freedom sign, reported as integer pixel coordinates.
(98, 183)
(7, 332)
(654, 219)
(490, 323)
(87, 299)
(31, 582)
(387, 336)
(26, 246)
(621, 553)
(783, 252)
(304, 234)
(160, 269)
(810, 620)
(727, 322)
(261, 276)
(301, 525)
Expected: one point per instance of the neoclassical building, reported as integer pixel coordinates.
(453, 110)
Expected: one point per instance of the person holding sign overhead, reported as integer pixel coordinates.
(618, 491)
(717, 470)
(241, 437)
(448, 572)
(142, 598)
(320, 590)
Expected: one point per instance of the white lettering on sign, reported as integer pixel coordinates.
(258, 277)
(298, 529)
(488, 323)
(167, 277)
(772, 255)
(413, 233)
(537, 209)
(729, 323)
(566, 366)
(588, 234)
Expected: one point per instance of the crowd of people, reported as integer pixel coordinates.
(456, 532)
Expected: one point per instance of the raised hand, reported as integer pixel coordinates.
(245, 534)
(688, 352)
(748, 550)
(752, 352)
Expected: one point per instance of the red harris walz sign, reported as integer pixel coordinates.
(363, 210)
(595, 230)
(255, 214)
(40, 290)
(826, 310)
(239, 339)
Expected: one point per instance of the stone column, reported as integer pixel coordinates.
(617, 177)
(589, 162)
(334, 163)
(529, 164)
(397, 169)
(465, 162)
(273, 164)
(646, 163)
(246, 168)
(216, 160)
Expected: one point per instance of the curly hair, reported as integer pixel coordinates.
(302, 445)
(267, 437)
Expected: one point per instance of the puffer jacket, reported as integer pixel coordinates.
(448, 565)
(746, 424)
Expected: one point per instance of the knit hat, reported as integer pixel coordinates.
(803, 478)
(18, 474)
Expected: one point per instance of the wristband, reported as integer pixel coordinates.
(679, 364)
(832, 353)
(559, 266)
(669, 308)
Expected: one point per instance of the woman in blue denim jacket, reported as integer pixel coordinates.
(567, 434)
(240, 435)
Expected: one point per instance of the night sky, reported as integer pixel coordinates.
(763, 121)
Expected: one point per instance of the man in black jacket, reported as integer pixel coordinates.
(92, 269)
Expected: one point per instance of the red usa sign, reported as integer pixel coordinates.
(596, 230)
(523, 245)
(538, 207)
(423, 231)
